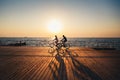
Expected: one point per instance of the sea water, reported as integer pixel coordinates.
(77, 42)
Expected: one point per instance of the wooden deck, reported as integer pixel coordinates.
(35, 63)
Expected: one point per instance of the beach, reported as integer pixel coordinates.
(77, 63)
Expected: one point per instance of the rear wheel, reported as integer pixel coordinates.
(51, 50)
(61, 51)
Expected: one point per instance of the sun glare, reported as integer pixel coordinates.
(54, 26)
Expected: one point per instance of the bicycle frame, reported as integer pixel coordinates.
(58, 47)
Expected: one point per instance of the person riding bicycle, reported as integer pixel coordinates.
(64, 40)
(56, 40)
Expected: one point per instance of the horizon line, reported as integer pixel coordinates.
(49, 37)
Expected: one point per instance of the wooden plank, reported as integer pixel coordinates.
(81, 64)
(46, 70)
(38, 68)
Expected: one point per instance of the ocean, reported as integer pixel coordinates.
(74, 42)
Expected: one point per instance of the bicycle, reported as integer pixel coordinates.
(58, 47)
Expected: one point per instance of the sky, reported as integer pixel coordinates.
(75, 18)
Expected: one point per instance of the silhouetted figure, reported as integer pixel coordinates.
(20, 43)
(64, 40)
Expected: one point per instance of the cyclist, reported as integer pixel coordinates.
(64, 40)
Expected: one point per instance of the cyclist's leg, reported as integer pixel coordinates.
(63, 44)
(67, 45)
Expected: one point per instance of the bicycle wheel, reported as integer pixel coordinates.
(61, 51)
(51, 50)
(67, 45)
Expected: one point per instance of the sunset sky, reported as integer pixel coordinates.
(73, 18)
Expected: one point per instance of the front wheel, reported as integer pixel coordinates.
(67, 45)
(51, 50)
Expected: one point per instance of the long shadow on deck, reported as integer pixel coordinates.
(58, 68)
(80, 71)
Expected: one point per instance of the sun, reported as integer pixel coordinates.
(54, 26)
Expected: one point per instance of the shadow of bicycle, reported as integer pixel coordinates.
(79, 70)
(58, 68)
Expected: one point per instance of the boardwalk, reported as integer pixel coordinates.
(35, 63)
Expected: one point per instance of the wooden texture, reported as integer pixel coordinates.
(35, 63)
